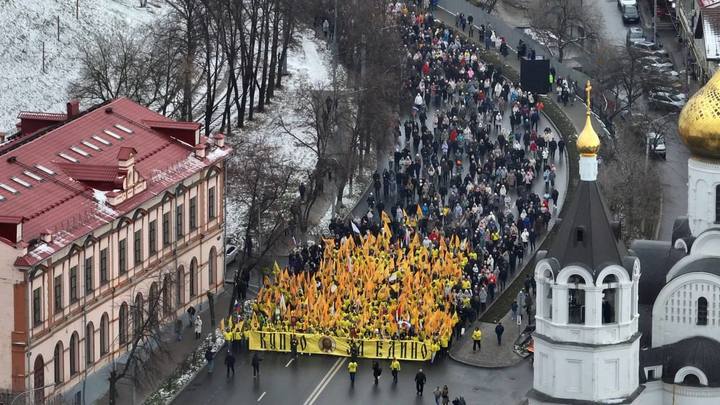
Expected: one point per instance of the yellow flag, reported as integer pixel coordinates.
(418, 211)
(385, 217)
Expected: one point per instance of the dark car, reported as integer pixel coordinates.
(630, 14)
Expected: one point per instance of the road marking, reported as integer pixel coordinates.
(289, 362)
(261, 396)
(325, 380)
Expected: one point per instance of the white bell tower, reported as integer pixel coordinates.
(586, 318)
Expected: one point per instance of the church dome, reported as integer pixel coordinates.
(699, 123)
(588, 142)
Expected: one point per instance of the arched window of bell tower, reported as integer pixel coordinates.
(548, 294)
(717, 204)
(610, 299)
(576, 299)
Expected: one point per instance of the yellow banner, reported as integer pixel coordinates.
(337, 346)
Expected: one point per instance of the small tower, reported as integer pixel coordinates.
(586, 337)
(699, 129)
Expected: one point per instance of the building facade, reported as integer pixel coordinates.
(110, 219)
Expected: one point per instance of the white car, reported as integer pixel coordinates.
(231, 251)
(656, 144)
(623, 3)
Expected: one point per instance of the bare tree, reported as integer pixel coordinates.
(262, 183)
(568, 22)
(632, 191)
(618, 75)
(140, 331)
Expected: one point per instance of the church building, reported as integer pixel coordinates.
(638, 325)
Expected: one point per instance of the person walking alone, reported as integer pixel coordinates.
(230, 364)
(256, 365)
(477, 339)
(352, 370)
(376, 371)
(499, 329)
(394, 369)
(198, 327)
(420, 380)
(210, 357)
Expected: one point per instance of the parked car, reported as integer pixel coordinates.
(650, 60)
(623, 3)
(231, 251)
(656, 144)
(630, 14)
(648, 48)
(667, 101)
(635, 34)
(660, 67)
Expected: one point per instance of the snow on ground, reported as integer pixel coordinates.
(308, 62)
(30, 23)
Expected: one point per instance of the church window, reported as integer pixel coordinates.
(579, 234)
(692, 380)
(576, 300)
(702, 311)
(717, 204)
(610, 299)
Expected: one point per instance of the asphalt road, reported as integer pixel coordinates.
(614, 30)
(324, 380)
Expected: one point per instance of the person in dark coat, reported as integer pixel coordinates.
(256, 365)
(210, 357)
(230, 363)
(499, 329)
(420, 380)
(376, 371)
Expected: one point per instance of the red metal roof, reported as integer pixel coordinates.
(708, 3)
(64, 204)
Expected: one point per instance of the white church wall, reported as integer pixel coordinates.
(703, 178)
(586, 372)
(675, 312)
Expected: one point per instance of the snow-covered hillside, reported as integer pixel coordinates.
(29, 23)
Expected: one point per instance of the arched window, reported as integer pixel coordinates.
(74, 354)
(153, 304)
(167, 303)
(193, 278)
(104, 334)
(58, 365)
(212, 267)
(123, 324)
(138, 315)
(702, 311)
(180, 287)
(610, 299)
(692, 380)
(89, 343)
(576, 299)
(39, 379)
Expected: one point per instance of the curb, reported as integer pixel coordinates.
(189, 381)
(471, 364)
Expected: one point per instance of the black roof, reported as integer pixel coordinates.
(645, 324)
(681, 229)
(700, 352)
(656, 260)
(701, 264)
(586, 214)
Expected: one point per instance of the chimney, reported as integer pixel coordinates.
(220, 140)
(73, 108)
(46, 236)
(2, 137)
(200, 150)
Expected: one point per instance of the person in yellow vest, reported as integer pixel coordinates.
(237, 338)
(228, 336)
(477, 338)
(394, 369)
(352, 370)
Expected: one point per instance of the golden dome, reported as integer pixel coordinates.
(699, 123)
(588, 142)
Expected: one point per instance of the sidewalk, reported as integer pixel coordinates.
(491, 355)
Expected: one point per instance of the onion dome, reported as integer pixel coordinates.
(588, 142)
(699, 123)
